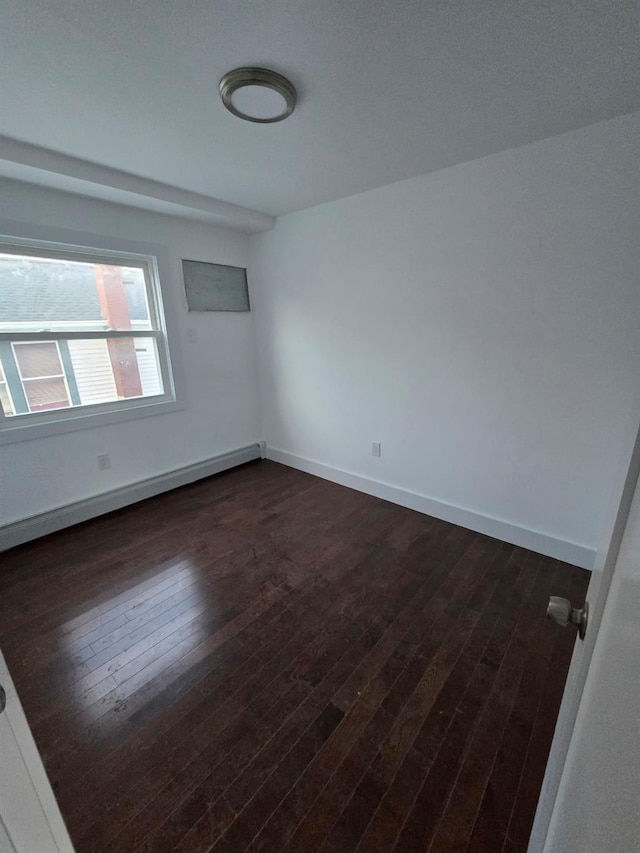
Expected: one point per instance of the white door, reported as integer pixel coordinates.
(597, 807)
(30, 820)
(606, 567)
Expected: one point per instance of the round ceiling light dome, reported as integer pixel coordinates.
(257, 94)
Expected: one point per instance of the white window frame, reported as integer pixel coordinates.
(152, 259)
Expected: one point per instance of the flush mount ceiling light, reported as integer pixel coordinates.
(257, 94)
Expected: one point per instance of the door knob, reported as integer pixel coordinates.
(3, 699)
(562, 613)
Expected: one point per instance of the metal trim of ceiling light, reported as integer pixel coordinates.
(239, 78)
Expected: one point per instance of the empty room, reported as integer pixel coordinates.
(319, 416)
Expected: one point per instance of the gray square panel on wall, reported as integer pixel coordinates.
(215, 287)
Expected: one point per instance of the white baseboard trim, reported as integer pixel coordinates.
(27, 529)
(541, 543)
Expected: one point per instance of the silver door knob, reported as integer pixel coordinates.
(562, 613)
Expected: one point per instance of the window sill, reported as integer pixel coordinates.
(12, 430)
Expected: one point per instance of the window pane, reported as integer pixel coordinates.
(40, 293)
(92, 371)
(135, 367)
(96, 371)
(36, 360)
(147, 358)
(44, 394)
(115, 369)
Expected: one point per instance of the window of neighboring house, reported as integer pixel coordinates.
(81, 331)
(42, 376)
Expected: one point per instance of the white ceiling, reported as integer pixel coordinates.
(388, 89)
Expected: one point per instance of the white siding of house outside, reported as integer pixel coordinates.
(148, 366)
(93, 373)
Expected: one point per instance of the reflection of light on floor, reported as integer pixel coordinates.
(120, 646)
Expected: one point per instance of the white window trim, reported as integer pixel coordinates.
(20, 238)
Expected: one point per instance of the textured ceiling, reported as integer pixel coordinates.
(388, 88)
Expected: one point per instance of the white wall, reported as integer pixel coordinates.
(481, 322)
(219, 370)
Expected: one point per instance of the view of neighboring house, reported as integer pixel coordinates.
(39, 295)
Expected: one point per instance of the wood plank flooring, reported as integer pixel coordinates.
(265, 661)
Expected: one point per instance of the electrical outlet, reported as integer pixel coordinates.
(375, 448)
(192, 336)
(103, 461)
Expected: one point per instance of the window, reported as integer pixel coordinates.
(81, 332)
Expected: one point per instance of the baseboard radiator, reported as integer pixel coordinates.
(27, 529)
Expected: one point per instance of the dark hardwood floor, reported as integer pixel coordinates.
(266, 661)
